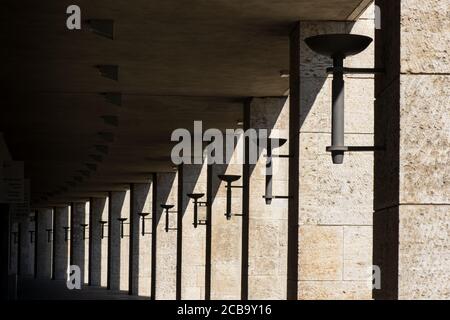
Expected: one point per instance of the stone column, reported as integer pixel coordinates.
(226, 235)
(141, 244)
(4, 253)
(118, 253)
(26, 247)
(14, 248)
(98, 249)
(267, 273)
(77, 241)
(87, 242)
(60, 243)
(166, 242)
(335, 201)
(194, 239)
(412, 190)
(44, 222)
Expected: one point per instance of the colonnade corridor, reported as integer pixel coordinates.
(229, 151)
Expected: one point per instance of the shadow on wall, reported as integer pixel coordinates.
(116, 203)
(137, 202)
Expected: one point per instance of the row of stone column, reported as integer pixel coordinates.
(313, 240)
(172, 258)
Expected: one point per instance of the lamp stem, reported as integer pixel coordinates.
(337, 139)
(195, 214)
(228, 214)
(167, 220)
(268, 195)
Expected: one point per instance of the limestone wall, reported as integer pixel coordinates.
(141, 197)
(118, 252)
(166, 251)
(412, 194)
(98, 246)
(335, 201)
(60, 244)
(194, 239)
(44, 221)
(267, 274)
(77, 243)
(226, 236)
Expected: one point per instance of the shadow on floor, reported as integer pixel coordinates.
(45, 289)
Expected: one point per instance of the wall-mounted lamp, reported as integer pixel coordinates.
(196, 197)
(167, 207)
(31, 232)
(339, 47)
(143, 216)
(102, 232)
(14, 234)
(272, 143)
(49, 235)
(229, 179)
(84, 226)
(66, 233)
(122, 222)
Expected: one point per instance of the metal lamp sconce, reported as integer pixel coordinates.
(84, 226)
(66, 233)
(15, 234)
(122, 222)
(229, 179)
(102, 232)
(143, 216)
(167, 207)
(339, 47)
(31, 232)
(49, 235)
(272, 143)
(195, 197)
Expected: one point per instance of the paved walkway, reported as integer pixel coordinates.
(43, 289)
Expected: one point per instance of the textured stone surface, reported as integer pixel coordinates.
(331, 194)
(321, 253)
(14, 248)
(86, 242)
(119, 248)
(335, 201)
(125, 244)
(44, 247)
(268, 223)
(166, 251)
(77, 243)
(425, 40)
(142, 245)
(425, 139)
(411, 177)
(194, 239)
(99, 252)
(104, 248)
(27, 248)
(315, 107)
(60, 245)
(357, 253)
(424, 252)
(334, 290)
(226, 238)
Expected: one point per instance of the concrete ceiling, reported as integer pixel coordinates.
(179, 61)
